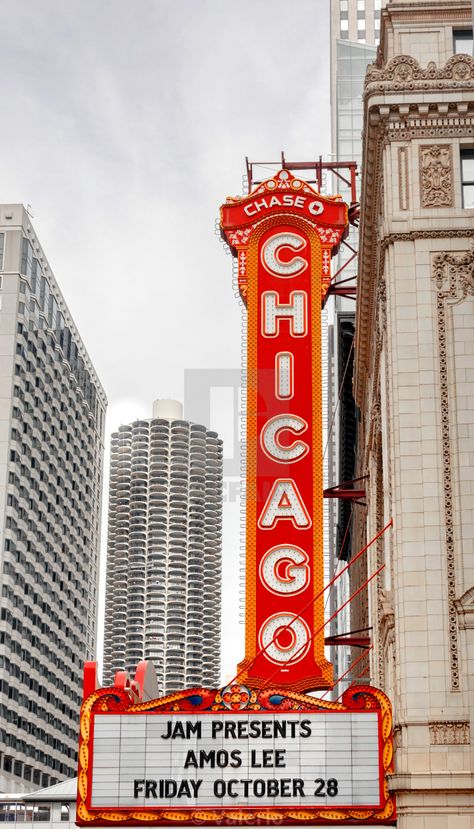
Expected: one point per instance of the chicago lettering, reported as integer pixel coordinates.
(284, 569)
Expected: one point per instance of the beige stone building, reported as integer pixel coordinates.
(414, 386)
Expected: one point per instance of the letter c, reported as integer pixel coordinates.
(270, 439)
(271, 250)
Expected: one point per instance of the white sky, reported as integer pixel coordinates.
(125, 124)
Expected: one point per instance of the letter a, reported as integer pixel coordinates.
(284, 502)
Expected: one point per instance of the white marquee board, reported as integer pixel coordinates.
(240, 760)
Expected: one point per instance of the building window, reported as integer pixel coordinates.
(2, 247)
(361, 24)
(7, 812)
(26, 257)
(462, 41)
(467, 177)
(42, 812)
(361, 35)
(344, 26)
(360, 5)
(65, 811)
(344, 5)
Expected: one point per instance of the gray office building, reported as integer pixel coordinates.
(52, 409)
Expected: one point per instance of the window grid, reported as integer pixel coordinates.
(467, 177)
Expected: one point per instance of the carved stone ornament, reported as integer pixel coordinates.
(449, 732)
(454, 274)
(465, 610)
(387, 619)
(377, 416)
(436, 176)
(404, 72)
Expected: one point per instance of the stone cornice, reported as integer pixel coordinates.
(389, 115)
(424, 11)
(443, 782)
(404, 74)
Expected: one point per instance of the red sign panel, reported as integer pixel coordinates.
(284, 235)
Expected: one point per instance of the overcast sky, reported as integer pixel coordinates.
(125, 124)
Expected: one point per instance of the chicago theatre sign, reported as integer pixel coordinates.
(284, 235)
(261, 750)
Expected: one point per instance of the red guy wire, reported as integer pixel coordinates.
(353, 683)
(334, 579)
(350, 668)
(331, 618)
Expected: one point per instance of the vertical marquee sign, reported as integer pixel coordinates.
(284, 234)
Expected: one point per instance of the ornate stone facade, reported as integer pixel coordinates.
(414, 385)
(450, 733)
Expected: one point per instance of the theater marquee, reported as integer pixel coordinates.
(237, 755)
(260, 751)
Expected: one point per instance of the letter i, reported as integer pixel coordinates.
(284, 375)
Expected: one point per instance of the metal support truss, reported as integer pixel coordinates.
(344, 171)
(349, 639)
(347, 491)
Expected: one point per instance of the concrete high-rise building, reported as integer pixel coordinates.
(163, 595)
(52, 409)
(414, 386)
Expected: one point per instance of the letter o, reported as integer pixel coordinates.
(298, 635)
(219, 788)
